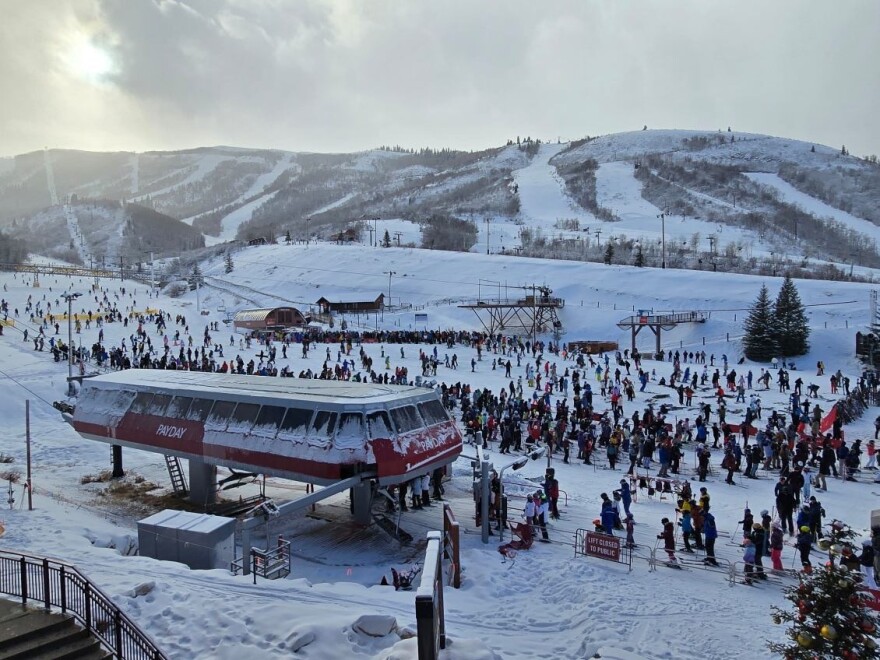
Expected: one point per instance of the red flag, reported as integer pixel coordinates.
(828, 420)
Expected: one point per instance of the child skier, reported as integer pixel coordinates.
(668, 536)
(630, 527)
(748, 559)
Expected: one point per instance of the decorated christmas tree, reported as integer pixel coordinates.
(839, 537)
(831, 618)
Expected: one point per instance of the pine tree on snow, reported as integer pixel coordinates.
(609, 253)
(759, 342)
(790, 321)
(640, 257)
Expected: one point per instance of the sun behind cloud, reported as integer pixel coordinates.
(87, 61)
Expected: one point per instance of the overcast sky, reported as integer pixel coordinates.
(346, 75)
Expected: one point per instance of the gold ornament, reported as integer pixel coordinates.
(824, 544)
(828, 632)
(805, 640)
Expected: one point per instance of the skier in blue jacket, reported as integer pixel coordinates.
(710, 533)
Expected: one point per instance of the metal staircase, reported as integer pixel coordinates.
(175, 472)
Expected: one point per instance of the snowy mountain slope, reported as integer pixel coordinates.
(697, 180)
(814, 206)
(231, 222)
(264, 180)
(543, 200)
(747, 149)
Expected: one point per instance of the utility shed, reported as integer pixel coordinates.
(199, 540)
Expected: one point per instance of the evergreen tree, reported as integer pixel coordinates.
(195, 278)
(229, 266)
(832, 618)
(759, 342)
(609, 253)
(790, 321)
(838, 540)
(640, 257)
(386, 239)
(287, 238)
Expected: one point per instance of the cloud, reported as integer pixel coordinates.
(339, 75)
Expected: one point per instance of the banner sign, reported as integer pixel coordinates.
(602, 546)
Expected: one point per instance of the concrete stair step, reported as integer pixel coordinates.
(35, 634)
(49, 639)
(25, 625)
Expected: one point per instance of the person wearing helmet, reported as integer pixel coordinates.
(668, 536)
(804, 517)
(777, 541)
(765, 524)
(804, 543)
(747, 522)
(625, 495)
(757, 537)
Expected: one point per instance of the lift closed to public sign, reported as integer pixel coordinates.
(602, 546)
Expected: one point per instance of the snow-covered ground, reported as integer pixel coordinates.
(547, 603)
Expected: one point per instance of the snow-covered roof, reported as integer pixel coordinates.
(253, 314)
(284, 389)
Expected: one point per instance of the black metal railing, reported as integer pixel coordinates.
(57, 584)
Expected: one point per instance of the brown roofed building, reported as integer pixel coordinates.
(277, 318)
(351, 307)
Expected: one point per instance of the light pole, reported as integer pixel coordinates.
(518, 464)
(70, 297)
(662, 217)
(487, 235)
(390, 273)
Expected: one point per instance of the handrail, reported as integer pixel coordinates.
(452, 545)
(56, 583)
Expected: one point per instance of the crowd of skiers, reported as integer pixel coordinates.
(551, 400)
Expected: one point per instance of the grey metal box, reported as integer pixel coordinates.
(199, 540)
